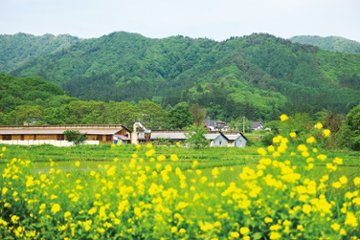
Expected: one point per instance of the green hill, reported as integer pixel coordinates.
(17, 49)
(257, 75)
(331, 43)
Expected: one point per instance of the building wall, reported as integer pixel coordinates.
(219, 141)
(239, 142)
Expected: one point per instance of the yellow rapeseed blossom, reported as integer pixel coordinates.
(306, 209)
(161, 158)
(302, 148)
(335, 226)
(77, 163)
(14, 219)
(343, 180)
(338, 161)
(283, 117)
(268, 220)
(356, 181)
(234, 235)
(293, 134)
(244, 230)
(262, 151)
(275, 235)
(322, 157)
(55, 208)
(174, 158)
(310, 140)
(3, 149)
(150, 153)
(326, 133)
(318, 125)
(351, 220)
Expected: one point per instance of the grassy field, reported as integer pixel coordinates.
(151, 192)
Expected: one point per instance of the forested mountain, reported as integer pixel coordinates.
(17, 49)
(331, 43)
(257, 75)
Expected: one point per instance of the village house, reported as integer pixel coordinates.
(54, 134)
(216, 138)
(236, 139)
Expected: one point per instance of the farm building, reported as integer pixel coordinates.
(236, 139)
(54, 134)
(216, 139)
(170, 136)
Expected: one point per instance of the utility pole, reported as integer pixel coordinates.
(243, 124)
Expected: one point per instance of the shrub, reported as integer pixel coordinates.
(75, 136)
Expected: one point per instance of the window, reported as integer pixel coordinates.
(22, 137)
(60, 137)
(7, 137)
(99, 137)
(108, 138)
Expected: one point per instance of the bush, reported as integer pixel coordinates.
(75, 136)
(196, 137)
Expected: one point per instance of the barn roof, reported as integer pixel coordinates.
(59, 129)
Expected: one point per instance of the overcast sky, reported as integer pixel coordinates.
(215, 19)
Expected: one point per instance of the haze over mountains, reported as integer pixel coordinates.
(331, 43)
(258, 75)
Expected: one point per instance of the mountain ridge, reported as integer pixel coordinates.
(258, 74)
(329, 43)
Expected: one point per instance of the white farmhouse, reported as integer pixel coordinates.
(236, 140)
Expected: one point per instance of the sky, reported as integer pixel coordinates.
(214, 19)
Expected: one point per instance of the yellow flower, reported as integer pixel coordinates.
(284, 117)
(262, 151)
(67, 214)
(5, 189)
(336, 185)
(111, 171)
(174, 157)
(311, 140)
(326, 133)
(318, 125)
(3, 222)
(293, 134)
(357, 181)
(300, 227)
(55, 208)
(174, 229)
(335, 226)
(302, 148)
(3, 149)
(268, 220)
(92, 210)
(338, 161)
(306, 208)
(161, 158)
(322, 157)
(149, 145)
(77, 163)
(15, 219)
(275, 235)
(234, 234)
(351, 220)
(244, 230)
(150, 153)
(343, 180)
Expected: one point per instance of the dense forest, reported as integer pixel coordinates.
(30, 100)
(331, 43)
(257, 76)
